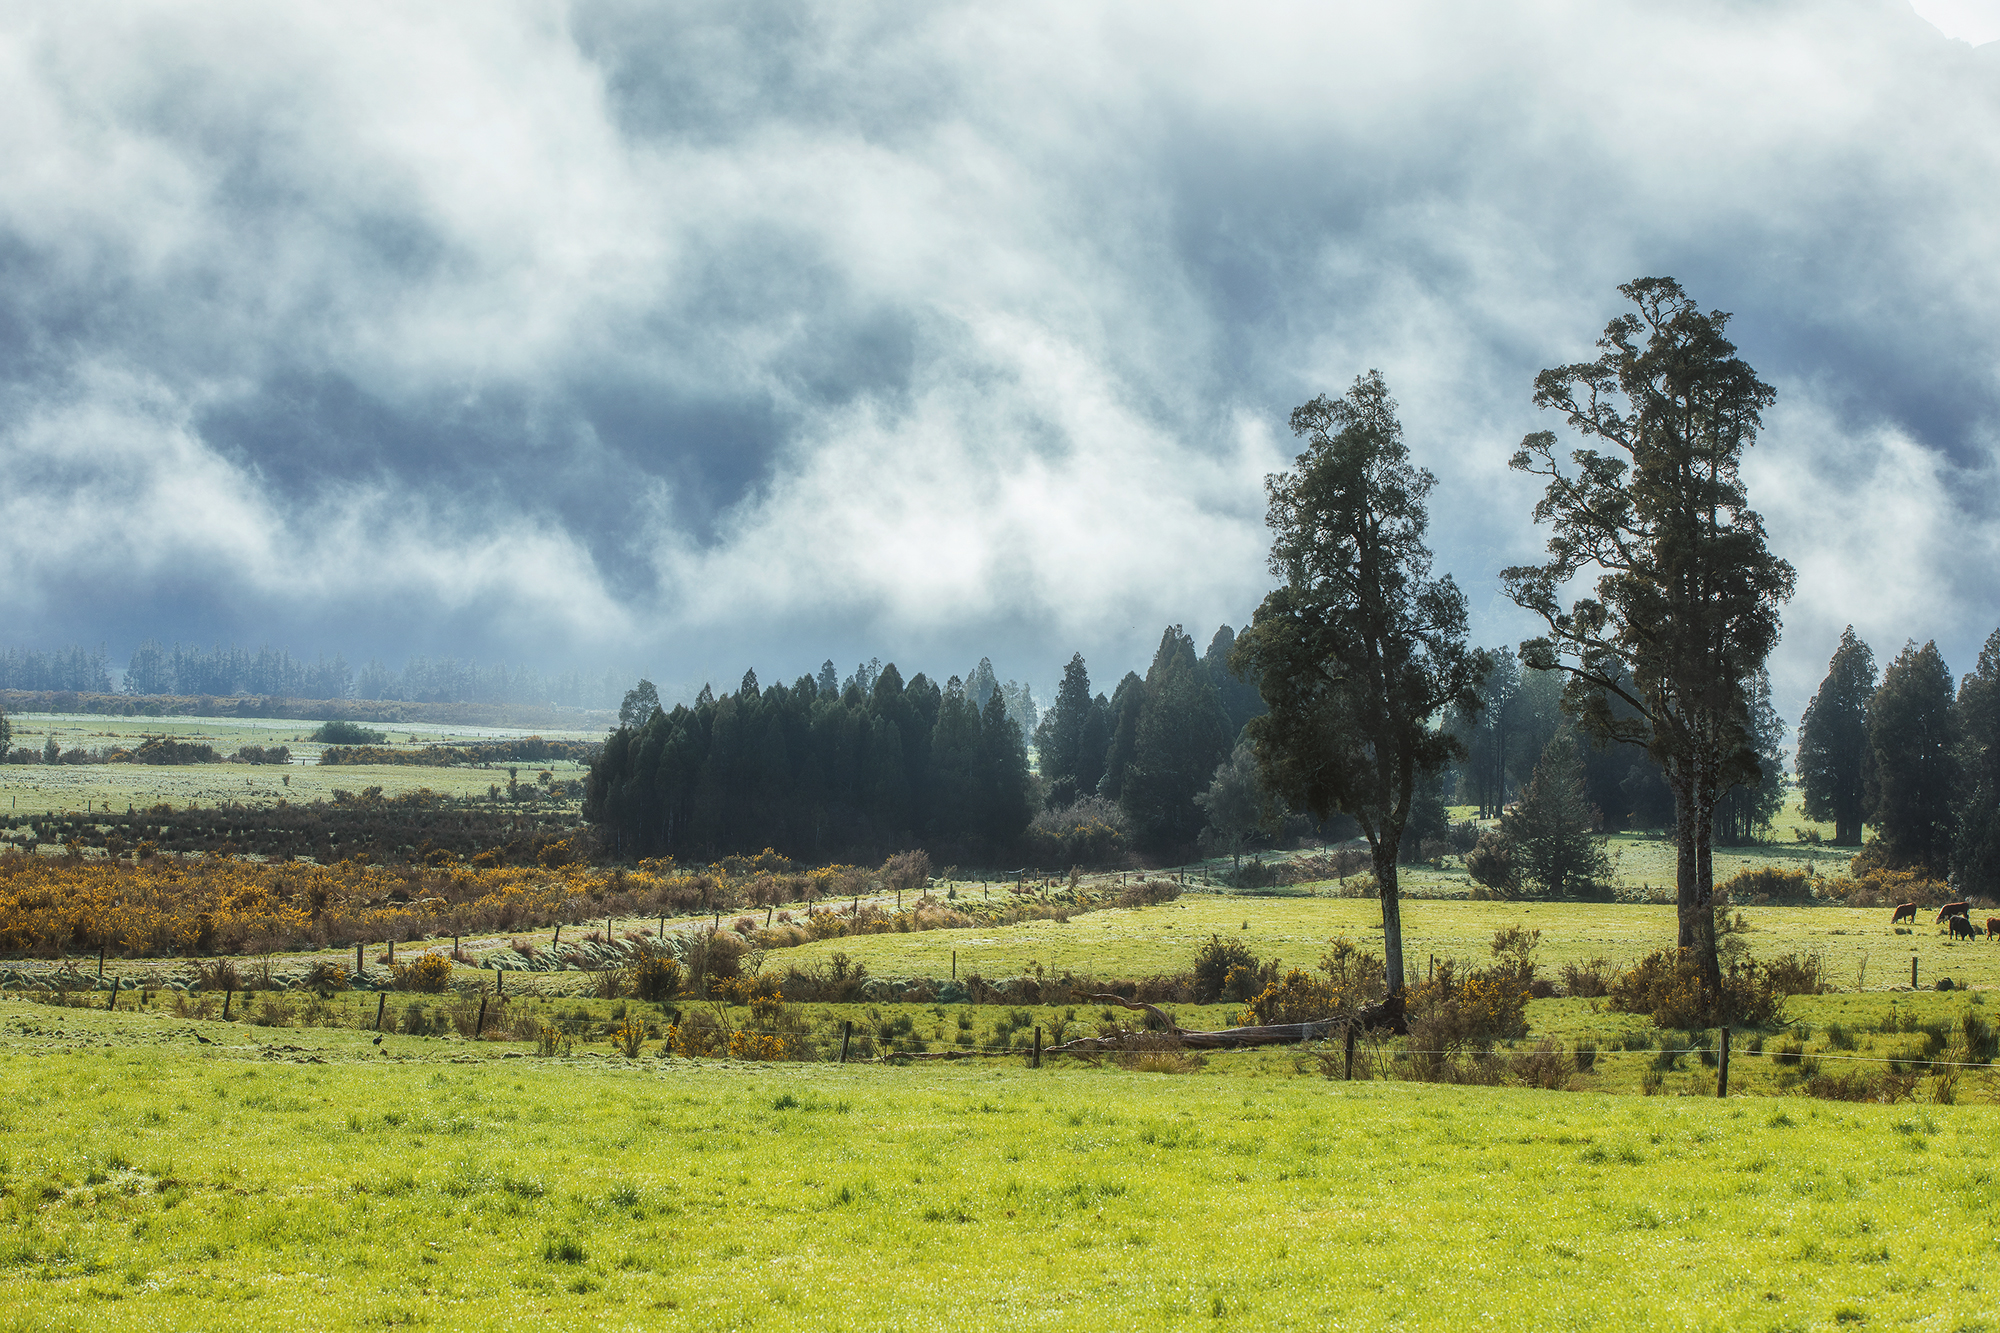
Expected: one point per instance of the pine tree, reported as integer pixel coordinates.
(1834, 751)
(1004, 770)
(1975, 855)
(1551, 830)
(1126, 705)
(1059, 738)
(1910, 729)
(1181, 736)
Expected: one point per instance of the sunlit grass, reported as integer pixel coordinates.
(176, 1185)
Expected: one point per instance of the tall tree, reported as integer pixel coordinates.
(1091, 747)
(1910, 729)
(1687, 594)
(641, 702)
(1750, 806)
(1004, 768)
(1360, 650)
(1182, 735)
(1975, 857)
(1059, 737)
(1126, 705)
(1238, 697)
(1834, 753)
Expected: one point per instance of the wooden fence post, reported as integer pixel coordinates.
(1038, 1046)
(100, 962)
(359, 966)
(954, 965)
(846, 1031)
(112, 1003)
(479, 1027)
(228, 994)
(1722, 1064)
(1913, 971)
(381, 999)
(1350, 1052)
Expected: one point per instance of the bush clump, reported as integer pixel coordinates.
(347, 733)
(429, 974)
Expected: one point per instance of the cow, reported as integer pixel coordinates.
(1962, 926)
(1907, 912)
(1993, 927)
(1950, 910)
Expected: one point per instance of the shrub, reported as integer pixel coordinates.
(907, 872)
(1547, 1066)
(325, 978)
(1667, 985)
(700, 1033)
(1588, 980)
(628, 1037)
(1878, 886)
(1354, 975)
(1491, 861)
(1089, 832)
(1298, 997)
(656, 976)
(428, 974)
(1148, 892)
(1454, 1022)
(1757, 886)
(219, 975)
(347, 733)
(1213, 965)
(1586, 1056)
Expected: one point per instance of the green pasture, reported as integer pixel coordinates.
(280, 1178)
(1126, 942)
(43, 788)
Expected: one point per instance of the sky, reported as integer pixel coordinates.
(696, 337)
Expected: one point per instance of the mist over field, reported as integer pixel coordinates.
(727, 336)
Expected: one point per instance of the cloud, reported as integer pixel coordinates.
(750, 335)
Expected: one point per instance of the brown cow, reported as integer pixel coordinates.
(1950, 910)
(1992, 927)
(1907, 912)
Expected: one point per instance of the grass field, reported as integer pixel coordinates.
(40, 788)
(280, 1179)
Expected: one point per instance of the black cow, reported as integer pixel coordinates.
(1962, 927)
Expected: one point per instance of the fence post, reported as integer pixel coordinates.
(479, 1027)
(1350, 1051)
(228, 994)
(392, 951)
(100, 962)
(1722, 1064)
(954, 965)
(1913, 971)
(359, 966)
(846, 1031)
(381, 999)
(112, 1003)
(1038, 1046)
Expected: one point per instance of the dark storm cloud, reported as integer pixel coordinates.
(751, 334)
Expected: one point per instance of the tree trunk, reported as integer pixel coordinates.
(1685, 874)
(1704, 911)
(1392, 915)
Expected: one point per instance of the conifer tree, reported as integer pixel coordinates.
(1975, 857)
(1911, 731)
(1834, 751)
(1551, 831)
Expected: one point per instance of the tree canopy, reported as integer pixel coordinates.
(1913, 735)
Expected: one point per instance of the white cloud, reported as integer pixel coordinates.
(958, 328)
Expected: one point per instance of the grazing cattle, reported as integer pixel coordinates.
(1992, 927)
(1950, 910)
(1907, 912)
(1962, 926)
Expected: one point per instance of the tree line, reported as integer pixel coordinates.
(825, 768)
(1910, 756)
(179, 670)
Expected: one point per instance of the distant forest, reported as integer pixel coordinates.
(825, 768)
(158, 670)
